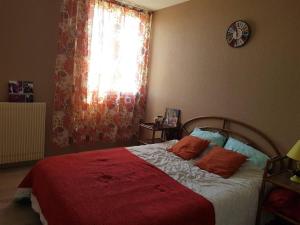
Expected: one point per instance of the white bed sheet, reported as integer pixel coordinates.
(235, 199)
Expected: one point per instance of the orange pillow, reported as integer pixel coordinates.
(221, 162)
(189, 147)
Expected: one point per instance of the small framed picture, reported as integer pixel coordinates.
(28, 87)
(172, 117)
(20, 91)
(15, 87)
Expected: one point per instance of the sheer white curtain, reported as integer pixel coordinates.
(116, 52)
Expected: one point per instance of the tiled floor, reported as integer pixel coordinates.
(12, 213)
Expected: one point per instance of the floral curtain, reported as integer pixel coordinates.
(101, 72)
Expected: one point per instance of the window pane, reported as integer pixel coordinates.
(116, 48)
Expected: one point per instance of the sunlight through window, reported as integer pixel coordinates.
(116, 47)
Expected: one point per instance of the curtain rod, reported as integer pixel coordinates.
(131, 4)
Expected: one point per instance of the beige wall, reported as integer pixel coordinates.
(193, 68)
(28, 48)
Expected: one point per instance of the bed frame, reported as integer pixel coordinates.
(237, 129)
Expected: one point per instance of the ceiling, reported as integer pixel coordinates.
(153, 4)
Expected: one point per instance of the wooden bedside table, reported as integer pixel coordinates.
(165, 131)
(281, 179)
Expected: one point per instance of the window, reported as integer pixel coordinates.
(116, 52)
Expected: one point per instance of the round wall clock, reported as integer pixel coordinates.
(238, 34)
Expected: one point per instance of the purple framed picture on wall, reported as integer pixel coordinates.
(20, 91)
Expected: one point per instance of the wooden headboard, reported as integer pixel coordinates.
(230, 127)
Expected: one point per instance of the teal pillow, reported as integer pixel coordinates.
(255, 157)
(214, 137)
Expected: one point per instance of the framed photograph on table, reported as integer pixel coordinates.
(172, 117)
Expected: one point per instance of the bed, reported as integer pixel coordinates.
(147, 185)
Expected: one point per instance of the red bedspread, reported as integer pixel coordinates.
(113, 187)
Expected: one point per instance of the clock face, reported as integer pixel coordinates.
(238, 34)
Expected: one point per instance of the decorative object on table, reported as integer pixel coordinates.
(158, 121)
(294, 154)
(172, 120)
(172, 117)
(238, 34)
(20, 91)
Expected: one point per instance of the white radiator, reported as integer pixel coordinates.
(22, 131)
